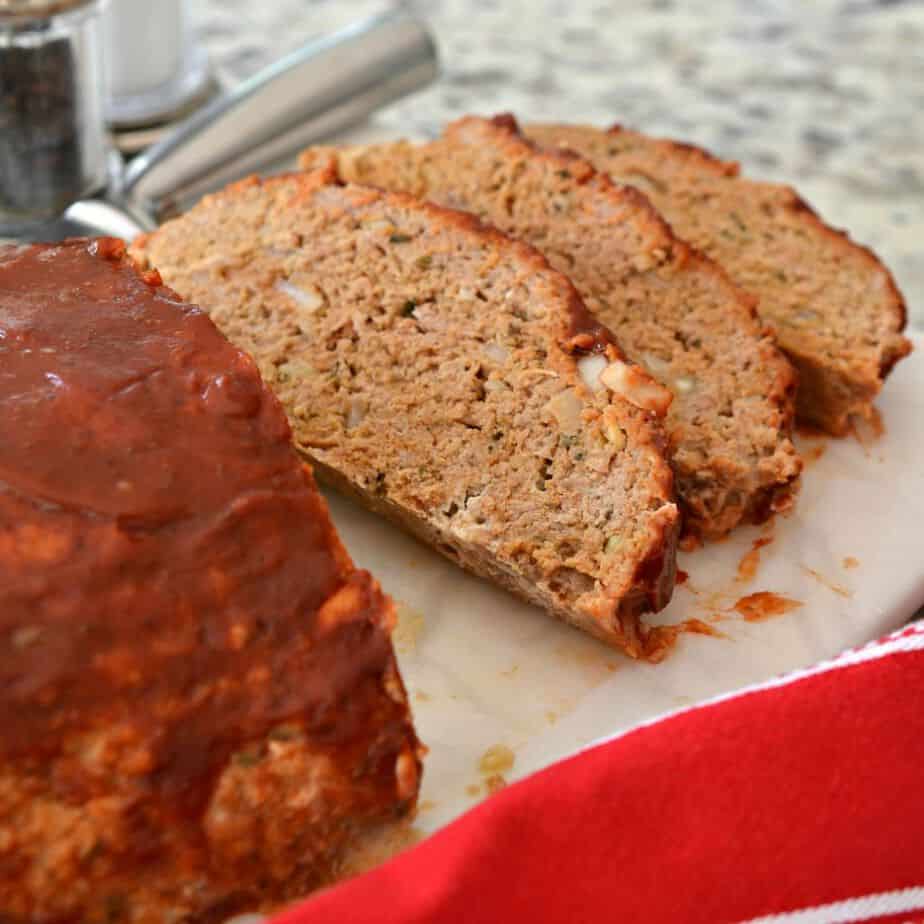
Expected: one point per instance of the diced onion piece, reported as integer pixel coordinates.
(309, 299)
(496, 352)
(684, 384)
(566, 408)
(636, 387)
(379, 224)
(590, 368)
(658, 367)
(356, 413)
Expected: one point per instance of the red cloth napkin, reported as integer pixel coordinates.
(803, 797)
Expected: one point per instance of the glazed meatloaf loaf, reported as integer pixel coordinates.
(835, 308)
(432, 368)
(199, 705)
(673, 310)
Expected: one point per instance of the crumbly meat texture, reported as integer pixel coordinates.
(835, 308)
(431, 368)
(200, 710)
(672, 309)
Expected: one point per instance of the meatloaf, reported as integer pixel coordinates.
(673, 309)
(199, 705)
(435, 369)
(835, 308)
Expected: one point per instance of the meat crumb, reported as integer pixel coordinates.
(765, 605)
(497, 759)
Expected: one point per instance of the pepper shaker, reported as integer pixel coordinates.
(54, 147)
(55, 159)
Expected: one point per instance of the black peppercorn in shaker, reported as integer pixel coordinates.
(53, 143)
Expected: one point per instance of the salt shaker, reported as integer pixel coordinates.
(53, 141)
(154, 65)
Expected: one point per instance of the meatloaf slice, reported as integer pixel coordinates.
(432, 368)
(673, 310)
(199, 705)
(835, 308)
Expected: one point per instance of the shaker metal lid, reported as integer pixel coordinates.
(35, 9)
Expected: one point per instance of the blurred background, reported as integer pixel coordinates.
(827, 95)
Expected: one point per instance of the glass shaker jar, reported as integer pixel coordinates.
(53, 142)
(154, 65)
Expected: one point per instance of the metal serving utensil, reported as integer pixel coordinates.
(324, 87)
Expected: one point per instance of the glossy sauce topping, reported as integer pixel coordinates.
(163, 554)
(765, 605)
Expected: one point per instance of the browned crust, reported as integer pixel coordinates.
(629, 194)
(730, 168)
(655, 578)
(863, 392)
(798, 206)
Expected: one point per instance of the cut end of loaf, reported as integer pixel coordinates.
(429, 366)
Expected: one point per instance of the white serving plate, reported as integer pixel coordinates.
(484, 669)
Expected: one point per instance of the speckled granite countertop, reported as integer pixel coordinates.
(827, 95)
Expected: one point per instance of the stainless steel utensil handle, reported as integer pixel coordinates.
(312, 93)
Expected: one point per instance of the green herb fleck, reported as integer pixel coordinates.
(736, 218)
(90, 855)
(284, 733)
(247, 758)
(564, 174)
(424, 262)
(399, 238)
